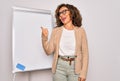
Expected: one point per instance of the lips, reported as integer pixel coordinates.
(63, 19)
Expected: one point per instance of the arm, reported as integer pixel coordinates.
(48, 45)
(84, 55)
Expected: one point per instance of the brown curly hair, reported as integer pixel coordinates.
(74, 14)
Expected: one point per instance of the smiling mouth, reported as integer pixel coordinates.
(63, 19)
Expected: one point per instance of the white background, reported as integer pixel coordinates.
(101, 22)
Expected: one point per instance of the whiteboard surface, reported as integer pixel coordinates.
(28, 53)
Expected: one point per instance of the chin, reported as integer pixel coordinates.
(64, 23)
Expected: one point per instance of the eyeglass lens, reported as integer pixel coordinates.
(63, 12)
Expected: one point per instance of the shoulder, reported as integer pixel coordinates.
(80, 29)
(56, 29)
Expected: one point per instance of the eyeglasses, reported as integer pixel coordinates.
(62, 12)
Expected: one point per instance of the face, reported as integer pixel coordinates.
(64, 15)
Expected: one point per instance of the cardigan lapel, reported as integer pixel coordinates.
(76, 39)
(59, 37)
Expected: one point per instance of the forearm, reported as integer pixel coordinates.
(47, 45)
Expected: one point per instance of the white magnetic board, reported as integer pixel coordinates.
(28, 53)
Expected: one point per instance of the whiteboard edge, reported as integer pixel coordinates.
(16, 8)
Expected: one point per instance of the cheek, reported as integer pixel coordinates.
(68, 18)
(60, 18)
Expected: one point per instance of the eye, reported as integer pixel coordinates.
(63, 12)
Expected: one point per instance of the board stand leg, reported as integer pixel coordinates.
(29, 76)
(14, 76)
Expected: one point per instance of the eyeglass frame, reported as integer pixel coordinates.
(63, 12)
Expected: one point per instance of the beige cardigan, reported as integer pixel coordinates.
(81, 49)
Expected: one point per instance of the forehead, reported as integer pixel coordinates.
(63, 8)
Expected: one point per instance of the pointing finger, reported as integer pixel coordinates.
(42, 28)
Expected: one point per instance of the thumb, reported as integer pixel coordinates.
(41, 28)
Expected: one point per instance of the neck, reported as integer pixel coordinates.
(69, 26)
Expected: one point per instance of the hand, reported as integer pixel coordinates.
(44, 31)
(81, 79)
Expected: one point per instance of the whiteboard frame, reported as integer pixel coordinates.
(32, 10)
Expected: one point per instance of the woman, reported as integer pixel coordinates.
(68, 42)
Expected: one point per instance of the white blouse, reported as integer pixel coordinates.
(67, 43)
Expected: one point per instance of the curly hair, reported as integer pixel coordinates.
(74, 15)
